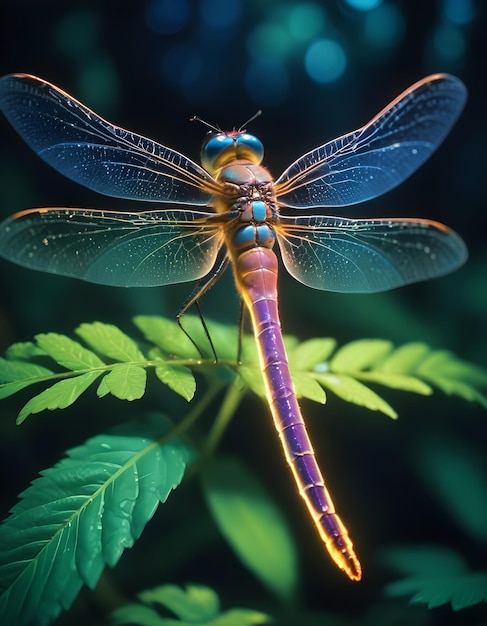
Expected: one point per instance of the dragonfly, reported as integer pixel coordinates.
(230, 211)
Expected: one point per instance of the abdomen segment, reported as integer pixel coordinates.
(256, 277)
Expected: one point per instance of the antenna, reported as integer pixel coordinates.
(251, 119)
(217, 129)
(195, 118)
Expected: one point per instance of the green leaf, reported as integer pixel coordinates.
(396, 381)
(139, 615)
(166, 335)
(8, 389)
(110, 341)
(195, 605)
(178, 378)
(438, 576)
(252, 377)
(241, 617)
(16, 375)
(460, 591)
(308, 354)
(59, 396)
(454, 376)
(13, 371)
(173, 341)
(449, 366)
(102, 389)
(249, 355)
(352, 390)
(252, 524)
(359, 355)
(306, 386)
(405, 359)
(80, 515)
(68, 353)
(460, 389)
(126, 381)
(223, 336)
(23, 350)
(412, 367)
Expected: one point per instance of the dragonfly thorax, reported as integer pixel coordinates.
(255, 228)
(249, 195)
(254, 236)
(220, 149)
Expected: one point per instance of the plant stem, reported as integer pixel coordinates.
(195, 412)
(228, 407)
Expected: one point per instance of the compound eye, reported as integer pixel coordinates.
(221, 149)
(214, 152)
(249, 148)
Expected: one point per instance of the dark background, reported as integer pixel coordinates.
(150, 66)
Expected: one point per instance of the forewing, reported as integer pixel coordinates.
(367, 255)
(91, 151)
(372, 160)
(118, 249)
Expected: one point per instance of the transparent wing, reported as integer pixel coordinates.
(91, 151)
(118, 249)
(372, 160)
(367, 255)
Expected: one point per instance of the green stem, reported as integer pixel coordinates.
(198, 409)
(228, 407)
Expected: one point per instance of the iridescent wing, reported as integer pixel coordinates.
(368, 162)
(144, 249)
(91, 151)
(366, 255)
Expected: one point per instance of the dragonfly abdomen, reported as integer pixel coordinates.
(256, 276)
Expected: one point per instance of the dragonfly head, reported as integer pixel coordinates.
(220, 149)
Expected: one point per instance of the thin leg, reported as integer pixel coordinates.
(241, 324)
(199, 290)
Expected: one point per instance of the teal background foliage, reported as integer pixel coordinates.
(410, 490)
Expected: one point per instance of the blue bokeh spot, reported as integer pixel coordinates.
(363, 5)
(384, 27)
(325, 61)
(306, 20)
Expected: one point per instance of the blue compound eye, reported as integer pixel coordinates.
(249, 148)
(214, 150)
(224, 148)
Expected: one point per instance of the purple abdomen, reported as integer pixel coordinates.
(256, 277)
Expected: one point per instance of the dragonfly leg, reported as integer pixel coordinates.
(241, 323)
(199, 290)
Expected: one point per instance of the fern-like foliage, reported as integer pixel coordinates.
(412, 367)
(81, 514)
(119, 364)
(112, 358)
(193, 606)
(435, 576)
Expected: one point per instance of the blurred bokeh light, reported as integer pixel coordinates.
(325, 61)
